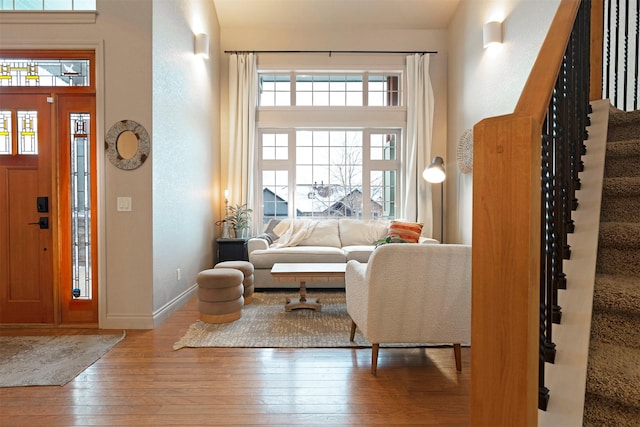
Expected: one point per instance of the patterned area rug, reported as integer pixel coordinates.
(264, 323)
(50, 360)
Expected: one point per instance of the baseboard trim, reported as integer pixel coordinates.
(127, 321)
(143, 321)
(164, 312)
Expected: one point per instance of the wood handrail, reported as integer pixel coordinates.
(536, 94)
(506, 244)
(596, 45)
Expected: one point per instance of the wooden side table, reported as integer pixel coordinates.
(232, 250)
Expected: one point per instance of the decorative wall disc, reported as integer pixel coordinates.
(464, 152)
(127, 144)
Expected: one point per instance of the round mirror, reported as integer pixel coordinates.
(127, 144)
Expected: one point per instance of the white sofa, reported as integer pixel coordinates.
(315, 241)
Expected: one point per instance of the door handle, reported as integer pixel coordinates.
(43, 222)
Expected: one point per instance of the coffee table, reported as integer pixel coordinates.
(303, 273)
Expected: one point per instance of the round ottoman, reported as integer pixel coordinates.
(247, 270)
(220, 297)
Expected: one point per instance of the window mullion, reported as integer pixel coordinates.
(365, 89)
(292, 172)
(292, 92)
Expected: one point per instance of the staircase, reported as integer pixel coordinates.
(612, 396)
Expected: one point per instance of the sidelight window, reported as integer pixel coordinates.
(80, 205)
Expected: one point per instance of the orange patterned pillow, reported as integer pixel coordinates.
(408, 231)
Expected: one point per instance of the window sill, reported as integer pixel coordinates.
(47, 17)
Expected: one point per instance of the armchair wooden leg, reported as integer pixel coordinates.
(458, 356)
(374, 359)
(352, 334)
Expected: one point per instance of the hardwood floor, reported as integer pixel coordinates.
(143, 381)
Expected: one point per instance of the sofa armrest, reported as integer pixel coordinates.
(357, 292)
(256, 244)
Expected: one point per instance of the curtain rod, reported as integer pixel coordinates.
(333, 51)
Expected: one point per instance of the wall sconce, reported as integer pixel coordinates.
(435, 174)
(492, 33)
(202, 45)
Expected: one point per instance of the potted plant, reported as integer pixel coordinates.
(239, 218)
(389, 239)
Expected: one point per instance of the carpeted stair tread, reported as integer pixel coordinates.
(621, 199)
(626, 186)
(614, 327)
(622, 158)
(619, 234)
(599, 412)
(613, 372)
(612, 260)
(616, 293)
(623, 125)
(623, 148)
(620, 209)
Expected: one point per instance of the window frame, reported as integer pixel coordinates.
(369, 119)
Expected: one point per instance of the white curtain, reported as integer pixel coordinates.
(416, 203)
(243, 82)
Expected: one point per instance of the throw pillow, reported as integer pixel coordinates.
(408, 231)
(325, 233)
(354, 232)
(266, 236)
(269, 230)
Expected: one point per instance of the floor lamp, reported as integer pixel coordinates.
(434, 174)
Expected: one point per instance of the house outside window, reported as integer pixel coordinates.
(322, 151)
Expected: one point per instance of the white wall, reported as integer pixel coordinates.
(147, 72)
(186, 124)
(486, 82)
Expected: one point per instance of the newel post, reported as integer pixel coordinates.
(505, 272)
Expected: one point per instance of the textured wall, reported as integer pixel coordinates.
(486, 82)
(186, 128)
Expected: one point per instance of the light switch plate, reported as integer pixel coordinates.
(124, 204)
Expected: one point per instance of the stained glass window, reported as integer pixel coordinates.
(80, 205)
(27, 132)
(5, 132)
(44, 72)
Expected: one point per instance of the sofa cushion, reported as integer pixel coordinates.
(325, 233)
(407, 231)
(307, 232)
(361, 232)
(265, 258)
(360, 253)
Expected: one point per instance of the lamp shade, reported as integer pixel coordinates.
(435, 173)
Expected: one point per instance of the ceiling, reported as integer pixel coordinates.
(310, 14)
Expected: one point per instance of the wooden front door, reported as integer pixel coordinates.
(27, 217)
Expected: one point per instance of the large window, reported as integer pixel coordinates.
(326, 156)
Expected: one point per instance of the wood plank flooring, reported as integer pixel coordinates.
(143, 381)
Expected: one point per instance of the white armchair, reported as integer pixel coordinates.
(410, 293)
